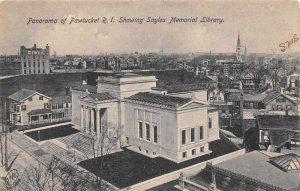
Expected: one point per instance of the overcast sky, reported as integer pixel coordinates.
(262, 26)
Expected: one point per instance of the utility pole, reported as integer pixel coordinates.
(5, 139)
(2, 126)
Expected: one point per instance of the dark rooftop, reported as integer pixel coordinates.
(21, 94)
(279, 122)
(101, 96)
(279, 137)
(125, 75)
(183, 88)
(91, 89)
(39, 111)
(127, 168)
(166, 100)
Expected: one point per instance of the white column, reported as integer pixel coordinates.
(86, 119)
(92, 120)
(97, 122)
(81, 118)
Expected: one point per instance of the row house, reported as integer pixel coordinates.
(271, 103)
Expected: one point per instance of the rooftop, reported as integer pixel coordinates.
(101, 96)
(287, 162)
(165, 100)
(125, 75)
(279, 122)
(21, 94)
(273, 95)
(184, 88)
(39, 111)
(234, 96)
(256, 165)
(279, 137)
(91, 89)
(254, 97)
(127, 168)
(60, 100)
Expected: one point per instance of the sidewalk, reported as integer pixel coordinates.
(43, 153)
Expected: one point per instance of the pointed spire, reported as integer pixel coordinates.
(238, 41)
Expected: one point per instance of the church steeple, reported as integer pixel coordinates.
(238, 44)
(238, 49)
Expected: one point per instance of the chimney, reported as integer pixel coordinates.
(67, 90)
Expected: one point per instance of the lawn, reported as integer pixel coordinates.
(127, 168)
(52, 133)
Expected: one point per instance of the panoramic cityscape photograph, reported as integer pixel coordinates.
(150, 95)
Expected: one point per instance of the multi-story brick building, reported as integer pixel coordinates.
(35, 60)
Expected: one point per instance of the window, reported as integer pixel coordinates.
(53, 106)
(24, 64)
(147, 151)
(193, 151)
(289, 107)
(280, 100)
(34, 64)
(279, 107)
(45, 105)
(201, 149)
(192, 134)
(140, 129)
(41, 98)
(209, 123)
(183, 138)
(148, 131)
(30, 99)
(184, 155)
(24, 71)
(201, 132)
(155, 133)
(17, 108)
(23, 108)
(140, 148)
(67, 105)
(127, 140)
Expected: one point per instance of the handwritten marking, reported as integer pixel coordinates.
(285, 45)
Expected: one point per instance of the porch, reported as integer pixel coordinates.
(39, 116)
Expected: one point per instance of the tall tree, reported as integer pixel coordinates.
(100, 145)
